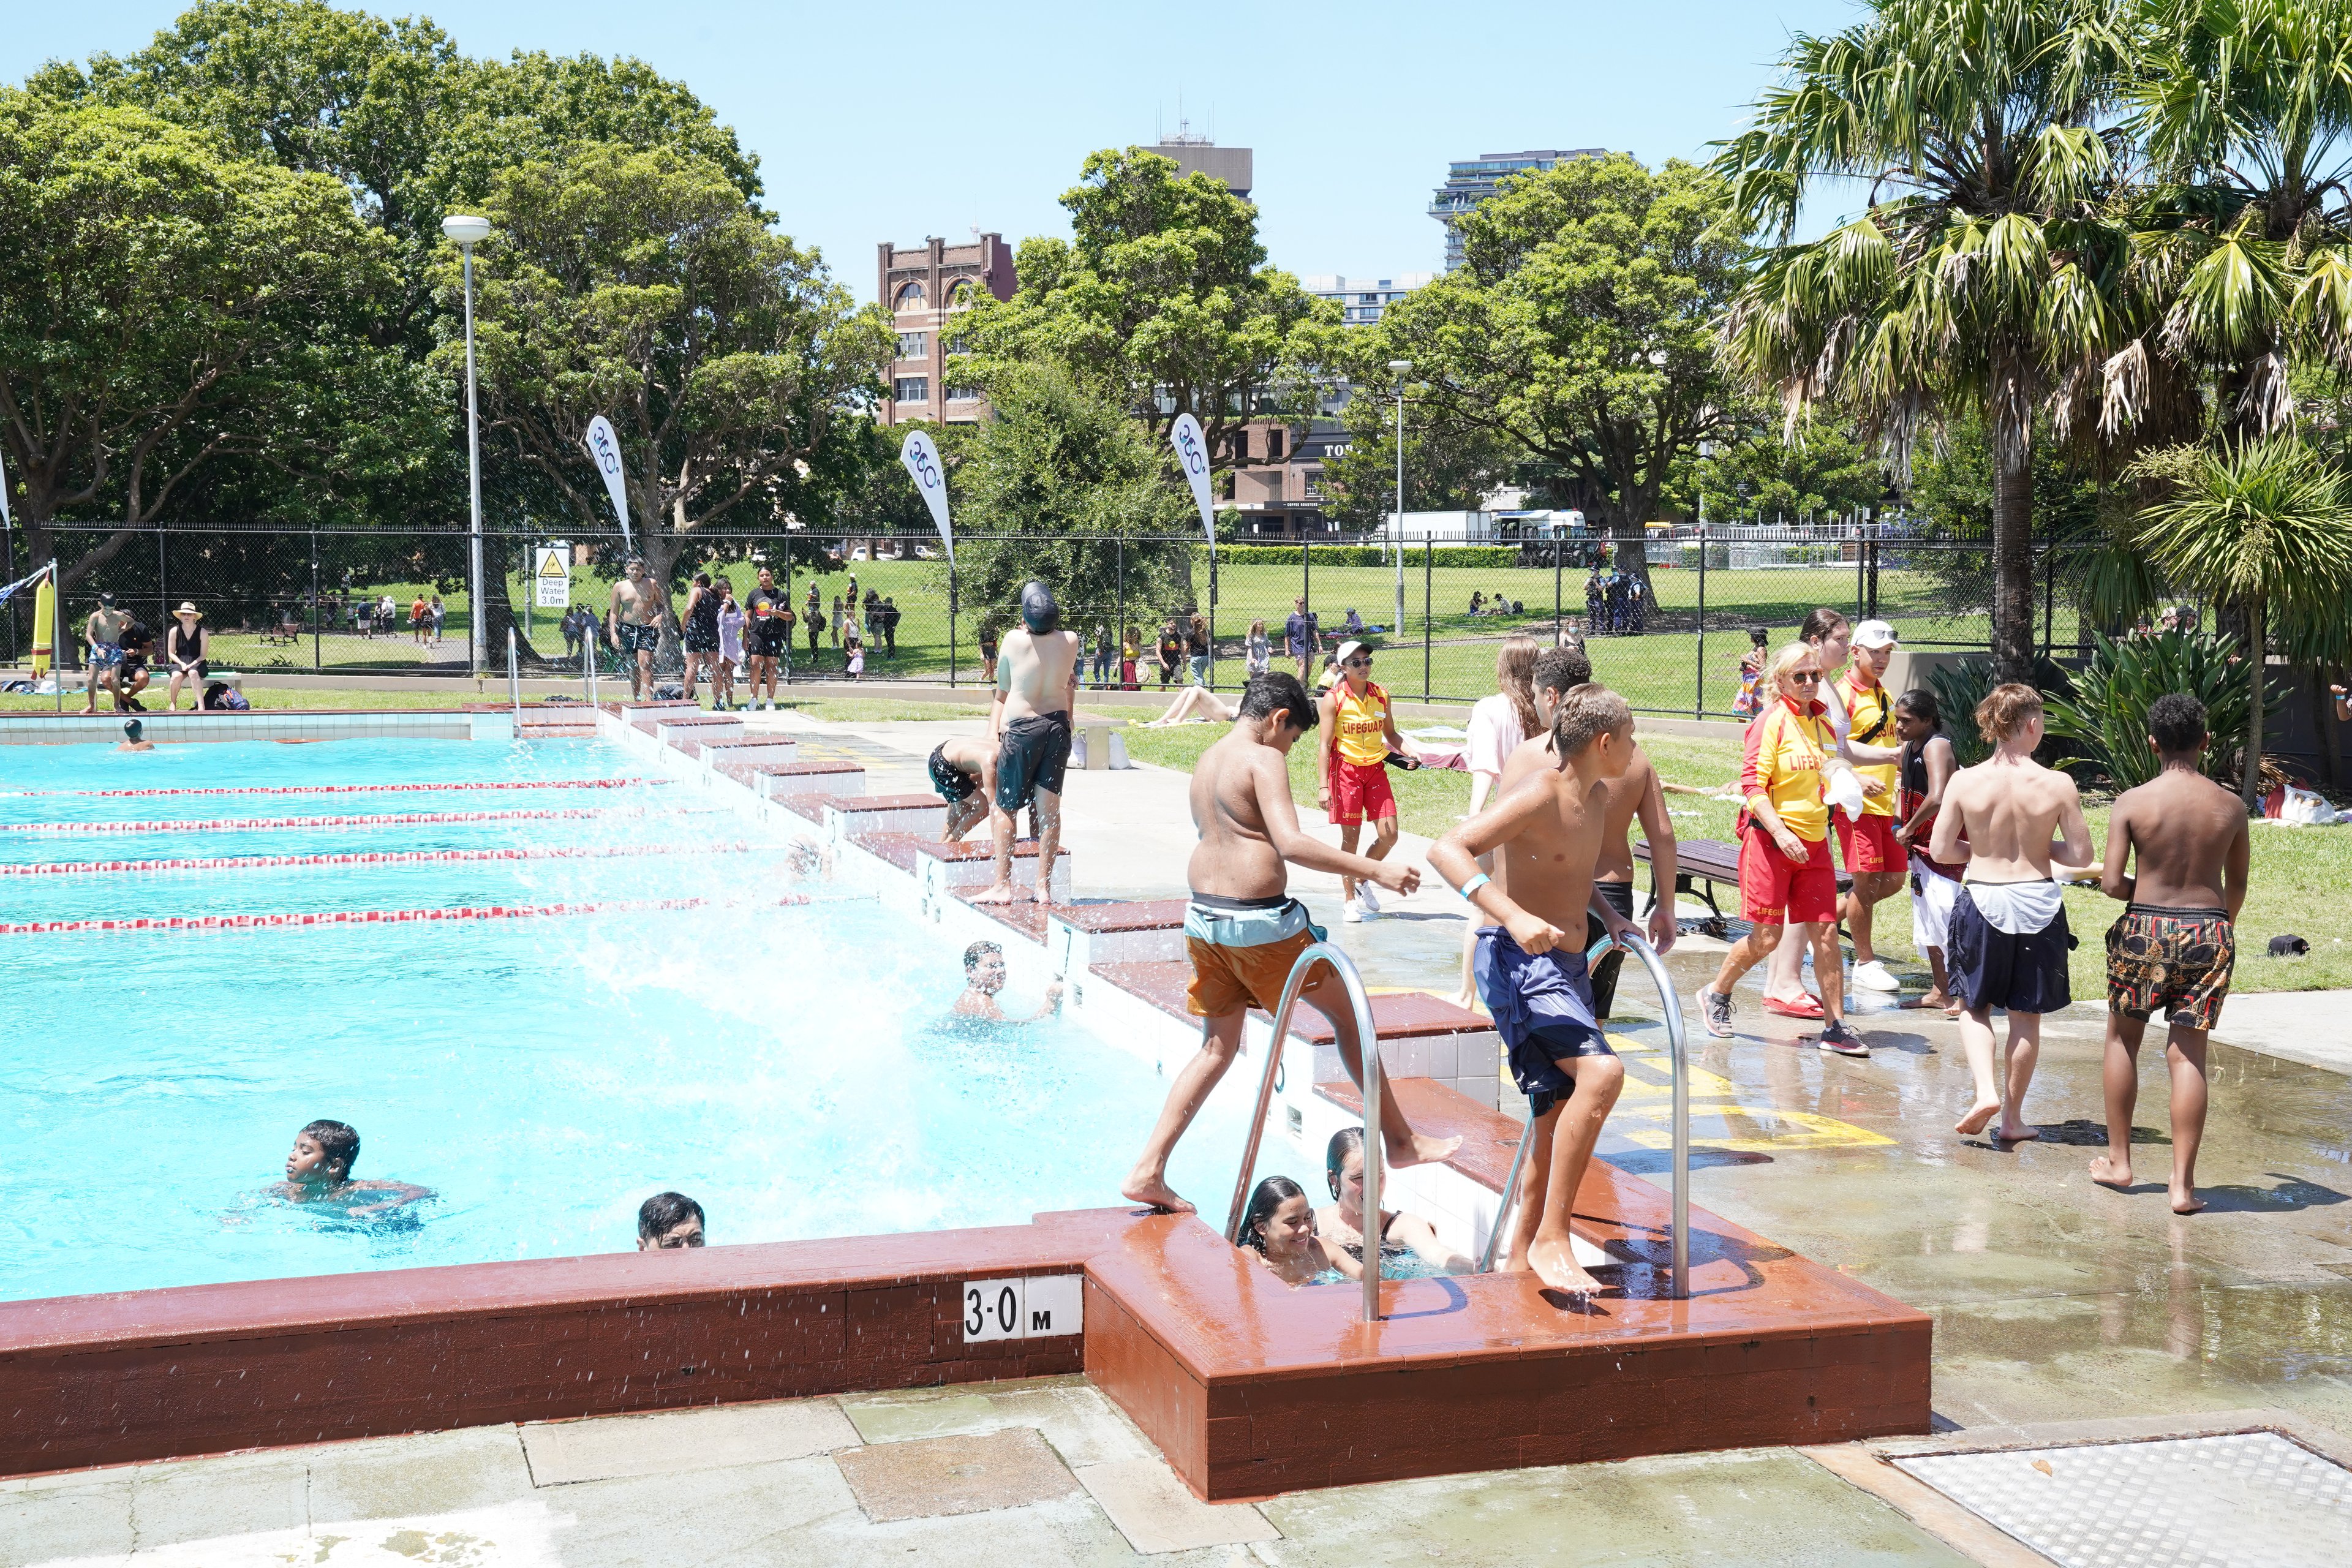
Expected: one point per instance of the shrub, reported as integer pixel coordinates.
(2108, 718)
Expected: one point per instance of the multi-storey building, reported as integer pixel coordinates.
(1473, 180)
(923, 288)
(1362, 300)
(1199, 155)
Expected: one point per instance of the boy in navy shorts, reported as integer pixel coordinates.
(1546, 834)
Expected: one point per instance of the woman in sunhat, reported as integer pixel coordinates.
(184, 647)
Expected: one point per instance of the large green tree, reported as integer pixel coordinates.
(1579, 332)
(1985, 271)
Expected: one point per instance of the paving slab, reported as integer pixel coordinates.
(87, 1519)
(794, 1511)
(431, 1472)
(1157, 1513)
(931, 1477)
(2300, 1025)
(1073, 1415)
(607, 1447)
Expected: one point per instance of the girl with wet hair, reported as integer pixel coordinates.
(1279, 1226)
(1341, 1224)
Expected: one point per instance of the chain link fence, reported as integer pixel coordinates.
(382, 602)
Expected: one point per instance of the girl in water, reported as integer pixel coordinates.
(1403, 1235)
(1280, 1226)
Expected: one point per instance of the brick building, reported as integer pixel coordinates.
(922, 287)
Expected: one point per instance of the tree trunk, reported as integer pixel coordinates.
(2012, 544)
(2249, 788)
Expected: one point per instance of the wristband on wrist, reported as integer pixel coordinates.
(1475, 883)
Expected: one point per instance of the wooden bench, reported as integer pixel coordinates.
(1711, 860)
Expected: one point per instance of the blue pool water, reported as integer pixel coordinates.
(793, 1068)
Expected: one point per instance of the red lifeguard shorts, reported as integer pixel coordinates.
(1775, 889)
(1360, 789)
(1869, 845)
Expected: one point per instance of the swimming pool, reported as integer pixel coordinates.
(792, 1067)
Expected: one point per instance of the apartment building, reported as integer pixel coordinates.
(923, 287)
(1277, 478)
(1362, 300)
(1473, 180)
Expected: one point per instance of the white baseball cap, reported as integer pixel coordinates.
(1347, 650)
(1874, 634)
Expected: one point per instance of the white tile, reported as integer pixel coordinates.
(1155, 1514)
(611, 1447)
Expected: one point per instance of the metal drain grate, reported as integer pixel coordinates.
(2250, 1498)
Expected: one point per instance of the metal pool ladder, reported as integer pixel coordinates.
(514, 674)
(1370, 1044)
(1678, 1281)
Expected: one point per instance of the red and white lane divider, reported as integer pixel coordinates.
(352, 789)
(260, 824)
(378, 857)
(376, 917)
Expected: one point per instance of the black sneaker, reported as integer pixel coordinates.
(1839, 1040)
(1715, 1009)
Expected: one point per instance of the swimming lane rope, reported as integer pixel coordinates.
(379, 917)
(352, 789)
(258, 824)
(379, 858)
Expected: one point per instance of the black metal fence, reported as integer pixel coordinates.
(387, 603)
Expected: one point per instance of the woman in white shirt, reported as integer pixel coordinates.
(1497, 725)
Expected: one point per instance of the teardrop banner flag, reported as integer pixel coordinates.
(606, 448)
(930, 477)
(1192, 456)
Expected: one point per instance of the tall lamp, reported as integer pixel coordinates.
(1399, 367)
(469, 232)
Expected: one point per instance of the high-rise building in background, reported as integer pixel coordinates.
(1363, 299)
(1198, 155)
(923, 288)
(1473, 180)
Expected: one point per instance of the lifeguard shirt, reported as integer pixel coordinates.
(1363, 724)
(1869, 722)
(1786, 751)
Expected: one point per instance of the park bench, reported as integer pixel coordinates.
(1711, 860)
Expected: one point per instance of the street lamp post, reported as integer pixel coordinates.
(467, 233)
(1398, 367)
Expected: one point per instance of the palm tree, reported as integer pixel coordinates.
(1984, 271)
(2264, 526)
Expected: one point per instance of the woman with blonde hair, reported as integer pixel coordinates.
(1497, 725)
(1785, 875)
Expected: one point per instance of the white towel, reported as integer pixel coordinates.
(2019, 909)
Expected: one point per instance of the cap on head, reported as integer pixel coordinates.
(1039, 613)
(1873, 635)
(1348, 650)
(105, 601)
(132, 726)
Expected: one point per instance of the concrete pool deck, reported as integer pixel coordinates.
(2054, 1300)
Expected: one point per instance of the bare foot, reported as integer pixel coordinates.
(1425, 1151)
(1555, 1264)
(1155, 1193)
(2185, 1200)
(1001, 893)
(2019, 1132)
(1932, 999)
(1045, 895)
(1981, 1112)
(2107, 1173)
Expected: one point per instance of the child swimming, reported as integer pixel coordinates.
(1280, 1225)
(319, 1171)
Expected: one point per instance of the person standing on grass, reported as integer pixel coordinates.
(1304, 638)
(1244, 931)
(1785, 876)
(1036, 687)
(699, 634)
(1130, 660)
(1258, 653)
(813, 617)
(1544, 837)
(634, 622)
(1358, 733)
(731, 621)
(440, 612)
(989, 645)
(420, 618)
(2008, 938)
(1196, 648)
(2187, 841)
(1866, 844)
(1171, 651)
(1927, 767)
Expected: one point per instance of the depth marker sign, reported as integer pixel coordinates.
(1043, 1306)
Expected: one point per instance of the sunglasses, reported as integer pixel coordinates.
(1360, 664)
(1813, 677)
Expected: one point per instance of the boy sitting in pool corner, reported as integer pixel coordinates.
(1546, 834)
(320, 1168)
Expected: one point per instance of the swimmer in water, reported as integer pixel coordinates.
(131, 730)
(320, 1170)
(1341, 1222)
(984, 977)
(668, 1222)
(1279, 1226)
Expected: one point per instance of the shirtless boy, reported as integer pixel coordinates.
(1036, 682)
(634, 622)
(984, 977)
(1636, 792)
(320, 1168)
(1242, 930)
(1546, 834)
(2176, 942)
(102, 633)
(2009, 941)
(963, 770)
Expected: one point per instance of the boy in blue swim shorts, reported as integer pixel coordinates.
(1546, 832)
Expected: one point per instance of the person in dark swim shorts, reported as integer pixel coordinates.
(1034, 753)
(1543, 1008)
(963, 770)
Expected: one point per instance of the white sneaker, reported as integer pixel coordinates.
(1350, 912)
(1369, 899)
(1872, 976)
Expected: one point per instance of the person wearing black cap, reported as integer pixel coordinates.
(1036, 683)
(634, 622)
(132, 741)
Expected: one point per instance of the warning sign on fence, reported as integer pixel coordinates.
(553, 577)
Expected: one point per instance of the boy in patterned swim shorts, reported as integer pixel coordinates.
(2176, 944)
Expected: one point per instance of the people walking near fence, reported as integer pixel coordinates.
(1358, 733)
(890, 625)
(187, 649)
(1785, 876)
(768, 639)
(1259, 656)
(1925, 767)
(420, 620)
(988, 648)
(1304, 638)
(813, 616)
(1866, 843)
(2185, 840)
(2009, 936)
(633, 620)
(1036, 687)
(440, 613)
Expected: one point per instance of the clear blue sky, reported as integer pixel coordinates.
(894, 121)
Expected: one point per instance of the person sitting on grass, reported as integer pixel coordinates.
(668, 1222)
(984, 977)
(1341, 1224)
(1279, 1227)
(319, 1171)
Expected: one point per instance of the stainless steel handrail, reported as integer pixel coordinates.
(588, 661)
(1678, 1279)
(1369, 1043)
(514, 674)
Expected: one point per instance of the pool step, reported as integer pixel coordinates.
(846, 816)
(1087, 936)
(800, 781)
(764, 748)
